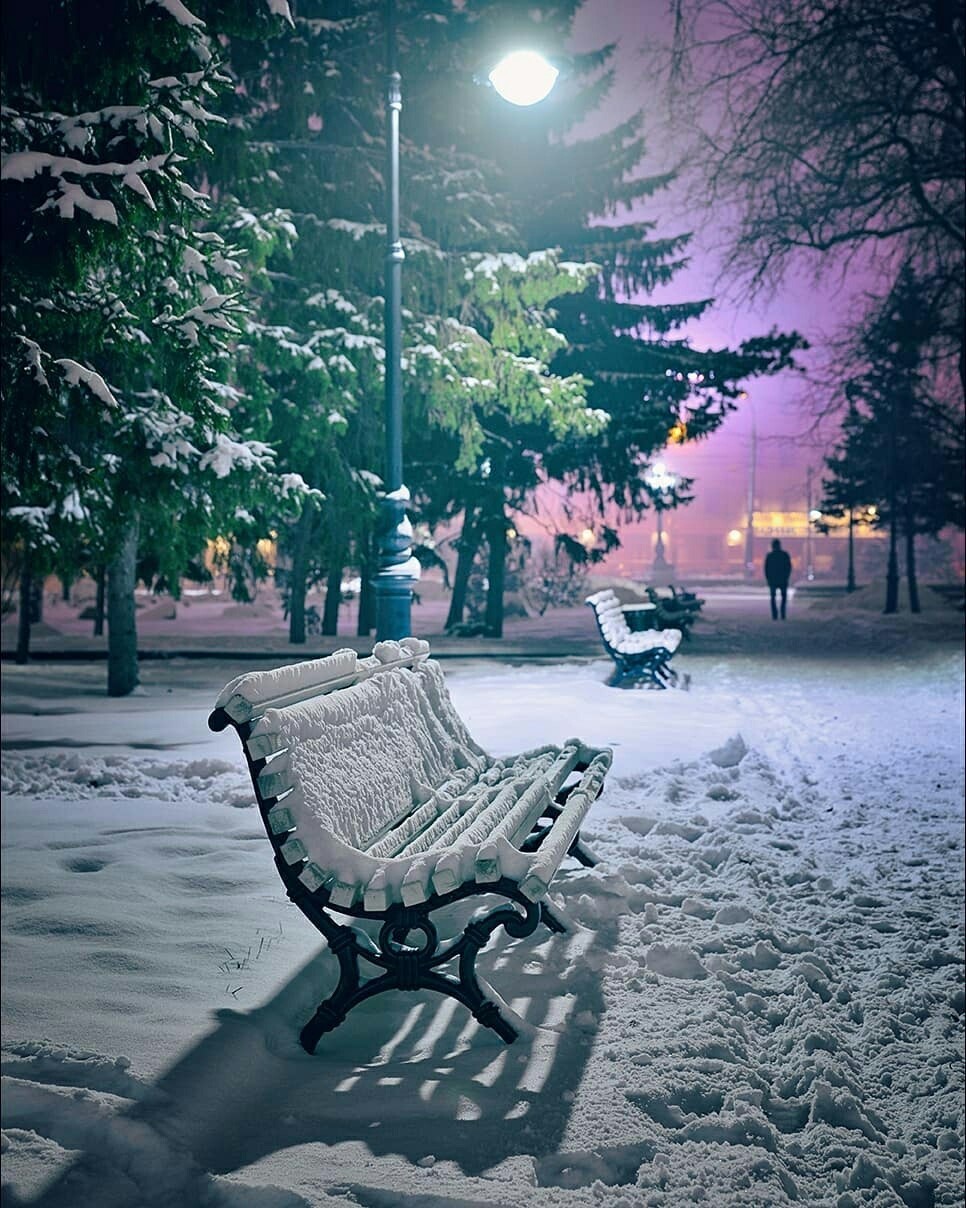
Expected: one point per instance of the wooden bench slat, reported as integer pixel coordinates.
(456, 818)
(398, 838)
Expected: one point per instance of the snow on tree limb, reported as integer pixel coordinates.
(280, 8)
(34, 357)
(24, 165)
(181, 14)
(228, 455)
(76, 373)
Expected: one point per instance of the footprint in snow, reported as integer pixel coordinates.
(675, 960)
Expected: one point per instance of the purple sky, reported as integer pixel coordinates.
(719, 464)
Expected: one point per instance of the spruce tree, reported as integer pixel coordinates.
(478, 178)
(117, 423)
(904, 441)
(845, 491)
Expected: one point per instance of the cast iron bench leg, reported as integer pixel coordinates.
(411, 968)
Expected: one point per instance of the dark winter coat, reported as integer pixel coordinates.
(778, 568)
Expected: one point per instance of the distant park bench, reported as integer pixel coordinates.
(679, 610)
(638, 654)
(380, 805)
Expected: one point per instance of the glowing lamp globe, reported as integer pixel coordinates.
(523, 77)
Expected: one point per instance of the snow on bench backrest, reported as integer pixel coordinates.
(610, 616)
(246, 696)
(618, 634)
(357, 760)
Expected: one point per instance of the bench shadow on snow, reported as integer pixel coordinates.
(406, 1073)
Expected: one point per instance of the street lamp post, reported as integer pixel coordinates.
(398, 569)
(809, 510)
(523, 78)
(661, 482)
(752, 471)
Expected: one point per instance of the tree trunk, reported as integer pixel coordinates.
(297, 577)
(122, 634)
(36, 610)
(892, 573)
(911, 576)
(850, 579)
(333, 598)
(496, 571)
(65, 585)
(99, 601)
(466, 548)
(23, 616)
(367, 596)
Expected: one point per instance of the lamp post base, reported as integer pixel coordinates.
(394, 597)
(398, 570)
(662, 572)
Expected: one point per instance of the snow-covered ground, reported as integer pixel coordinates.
(760, 1001)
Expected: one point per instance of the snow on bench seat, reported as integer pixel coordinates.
(382, 790)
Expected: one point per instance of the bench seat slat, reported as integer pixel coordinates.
(406, 831)
(456, 817)
(518, 824)
(551, 852)
(500, 806)
(464, 810)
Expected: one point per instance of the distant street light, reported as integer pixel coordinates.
(661, 482)
(523, 78)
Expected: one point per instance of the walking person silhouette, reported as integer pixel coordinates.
(778, 570)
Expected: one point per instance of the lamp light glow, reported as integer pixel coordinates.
(523, 77)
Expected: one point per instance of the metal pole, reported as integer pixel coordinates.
(398, 569)
(809, 569)
(750, 527)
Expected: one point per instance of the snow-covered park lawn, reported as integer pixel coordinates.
(760, 1001)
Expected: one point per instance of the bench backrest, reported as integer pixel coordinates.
(610, 617)
(352, 742)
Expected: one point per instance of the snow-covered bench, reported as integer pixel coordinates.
(645, 654)
(380, 805)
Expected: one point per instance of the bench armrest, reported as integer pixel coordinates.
(535, 870)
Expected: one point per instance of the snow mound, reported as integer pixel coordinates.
(872, 598)
(81, 775)
(730, 753)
